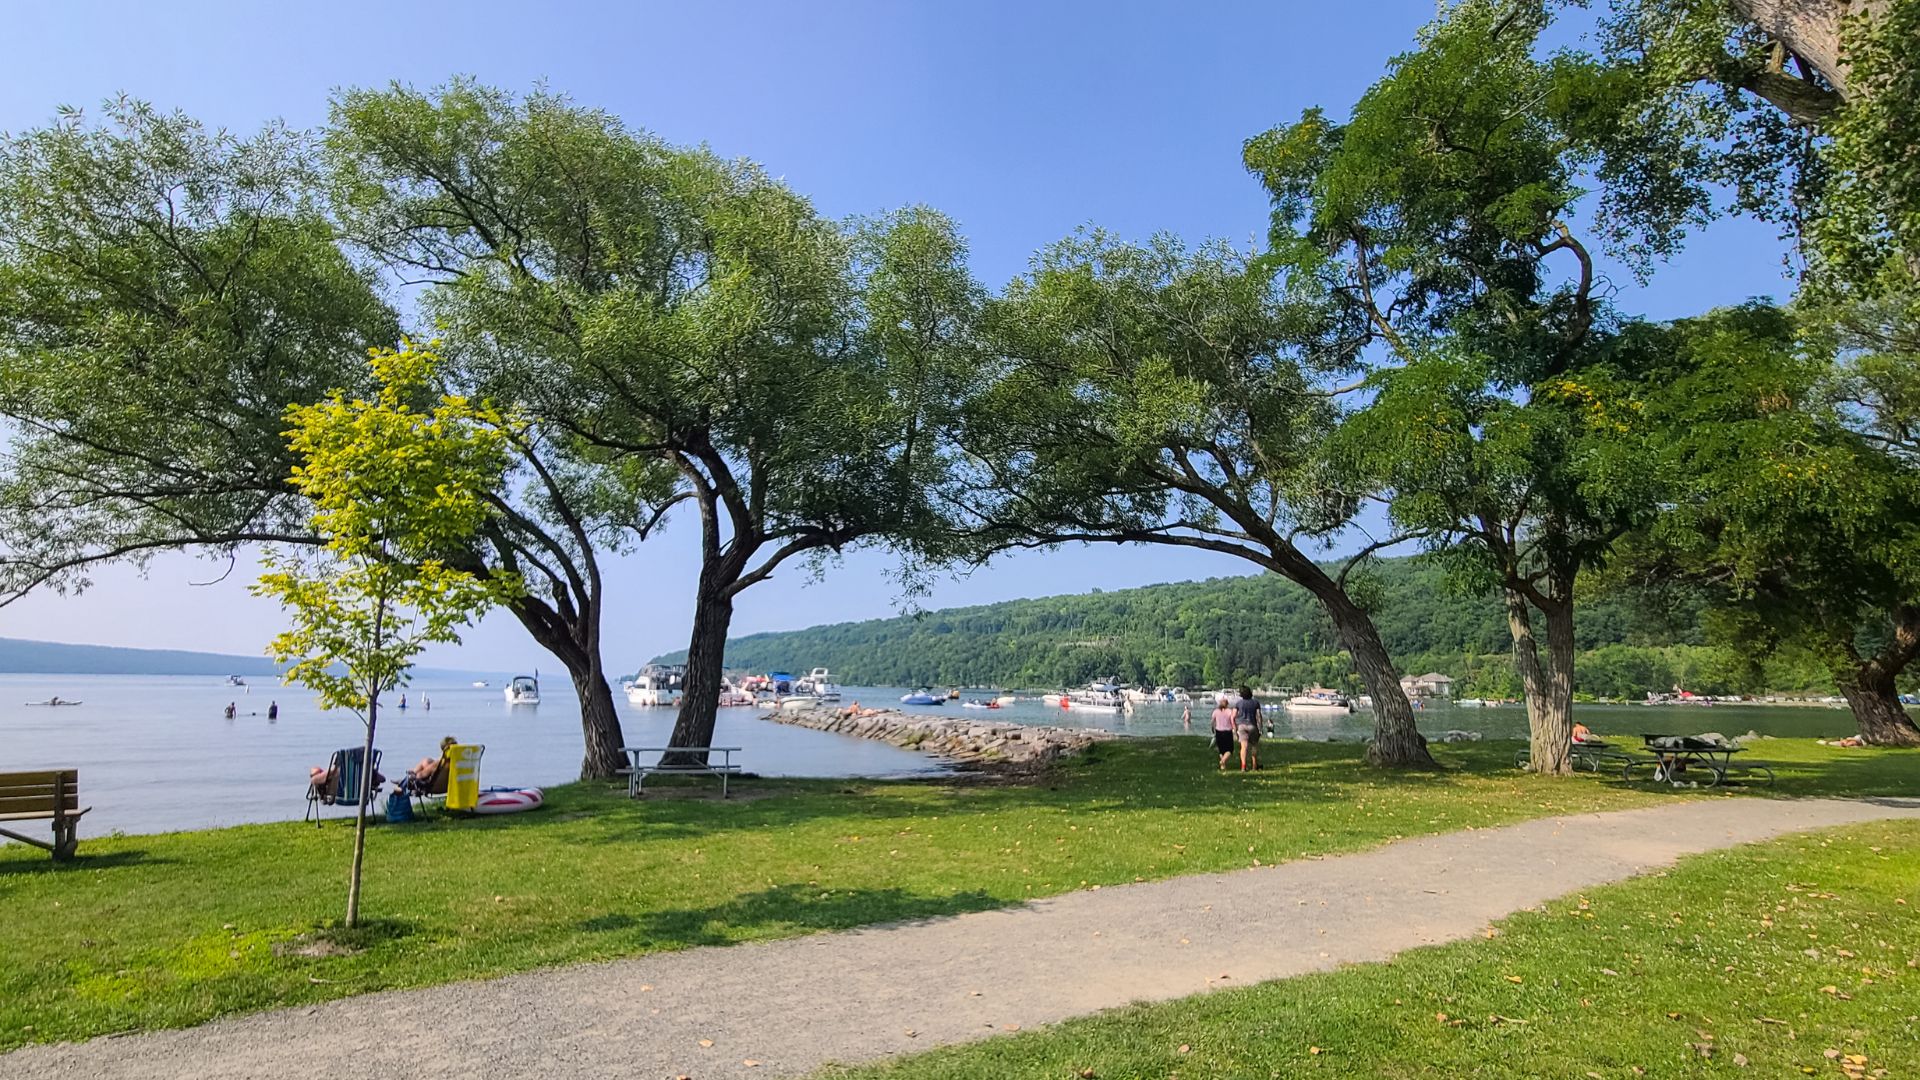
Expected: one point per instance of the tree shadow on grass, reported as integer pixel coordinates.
(81, 861)
(781, 911)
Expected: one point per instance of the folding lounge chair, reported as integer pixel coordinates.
(341, 785)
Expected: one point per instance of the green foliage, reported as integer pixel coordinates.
(1790, 499)
(396, 493)
(1156, 390)
(1867, 233)
(165, 293)
(662, 310)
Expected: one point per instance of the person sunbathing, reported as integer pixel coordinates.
(421, 778)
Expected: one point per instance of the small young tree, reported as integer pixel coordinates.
(396, 493)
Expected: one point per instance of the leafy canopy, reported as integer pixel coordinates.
(165, 292)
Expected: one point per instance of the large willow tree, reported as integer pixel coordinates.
(1151, 394)
(670, 317)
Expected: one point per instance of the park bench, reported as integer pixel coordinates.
(638, 771)
(54, 796)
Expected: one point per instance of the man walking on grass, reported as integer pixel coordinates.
(1246, 722)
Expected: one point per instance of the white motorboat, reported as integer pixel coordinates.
(1320, 700)
(235, 680)
(818, 683)
(1140, 695)
(658, 684)
(801, 701)
(923, 697)
(480, 683)
(1005, 699)
(1097, 698)
(1053, 701)
(1364, 701)
(1471, 702)
(523, 690)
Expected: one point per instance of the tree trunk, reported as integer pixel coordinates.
(1526, 658)
(599, 723)
(1883, 721)
(1550, 736)
(1811, 29)
(706, 666)
(563, 633)
(1397, 742)
(360, 814)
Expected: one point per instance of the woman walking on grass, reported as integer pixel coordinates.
(1246, 718)
(1223, 731)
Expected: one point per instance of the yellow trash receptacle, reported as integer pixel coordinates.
(463, 778)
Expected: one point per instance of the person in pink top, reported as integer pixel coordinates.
(1223, 731)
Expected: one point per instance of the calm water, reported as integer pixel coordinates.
(155, 753)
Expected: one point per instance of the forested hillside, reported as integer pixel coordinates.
(1260, 629)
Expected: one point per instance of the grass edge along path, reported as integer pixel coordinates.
(175, 929)
(1794, 956)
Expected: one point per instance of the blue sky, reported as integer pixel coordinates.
(1022, 121)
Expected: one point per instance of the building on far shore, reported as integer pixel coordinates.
(1432, 684)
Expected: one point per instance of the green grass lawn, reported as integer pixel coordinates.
(1796, 957)
(169, 930)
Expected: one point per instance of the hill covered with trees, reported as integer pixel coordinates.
(1261, 629)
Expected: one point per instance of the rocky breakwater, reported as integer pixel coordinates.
(962, 739)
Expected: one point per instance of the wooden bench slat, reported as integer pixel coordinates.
(42, 778)
(31, 804)
(37, 816)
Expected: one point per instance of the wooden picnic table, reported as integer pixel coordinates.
(1671, 762)
(638, 771)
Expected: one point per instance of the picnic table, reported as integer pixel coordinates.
(1674, 754)
(638, 770)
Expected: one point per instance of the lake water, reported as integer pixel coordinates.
(155, 753)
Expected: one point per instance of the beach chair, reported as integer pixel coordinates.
(423, 792)
(341, 786)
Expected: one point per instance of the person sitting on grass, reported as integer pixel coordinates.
(1223, 731)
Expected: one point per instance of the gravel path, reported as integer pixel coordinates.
(787, 1007)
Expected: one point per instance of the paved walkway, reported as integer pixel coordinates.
(792, 1006)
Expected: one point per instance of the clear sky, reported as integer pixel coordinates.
(1021, 120)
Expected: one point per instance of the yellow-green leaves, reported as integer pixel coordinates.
(400, 485)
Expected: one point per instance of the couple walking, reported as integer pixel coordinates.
(1237, 720)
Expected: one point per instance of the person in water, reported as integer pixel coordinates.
(1246, 723)
(232, 710)
(1186, 716)
(273, 710)
(403, 701)
(1223, 731)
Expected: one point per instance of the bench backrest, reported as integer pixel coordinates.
(55, 792)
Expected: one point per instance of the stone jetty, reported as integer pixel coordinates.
(960, 738)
